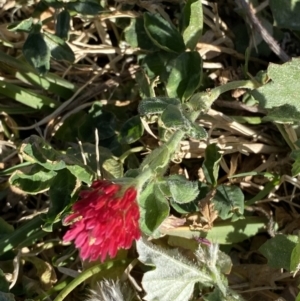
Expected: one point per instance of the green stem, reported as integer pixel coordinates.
(204, 100)
(89, 273)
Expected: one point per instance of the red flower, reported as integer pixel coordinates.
(104, 221)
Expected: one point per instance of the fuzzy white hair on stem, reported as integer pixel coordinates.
(110, 290)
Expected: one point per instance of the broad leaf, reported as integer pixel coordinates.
(174, 276)
(156, 105)
(192, 23)
(36, 51)
(63, 24)
(131, 131)
(278, 250)
(173, 118)
(295, 258)
(7, 297)
(296, 165)
(158, 63)
(197, 132)
(286, 14)
(185, 75)
(4, 285)
(25, 235)
(33, 180)
(224, 232)
(136, 35)
(62, 188)
(211, 164)
(145, 88)
(24, 25)
(5, 227)
(154, 208)
(112, 166)
(162, 33)
(281, 93)
(59, 49)
(104, 121)
(229, 202)
(85, 7)
(34, 149)
(182, 191)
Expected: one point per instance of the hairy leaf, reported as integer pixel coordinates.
(281, 93)
(278, 250)
(174, 276)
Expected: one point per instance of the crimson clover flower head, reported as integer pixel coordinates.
(105, 219)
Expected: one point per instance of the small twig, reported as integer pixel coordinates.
(238, 106)
(82, 152)
(255, 23)
(97, 153)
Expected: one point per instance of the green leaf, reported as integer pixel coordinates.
(229, 202)
(182, 191)
(295, 155)
(145, 88)
(154, 208)
(34, 149)
(158, 63)
(24, 25)
(280, 94)
(283, 114)
(156, 105)
(132, 130)
(192, 23)
(85, 7)
(63, 24)
(174, 276)
(39, 8)
(286, 14)
(224, 232)
(162, 33)
(32, 180)
(59, 49)
(295, 258)
(113, 167)
(194, 205)
(50, 82)
(4, 285)
(278, 250)
(26, 96)
(7, 297)
(60, 193)
(266, 190)
(173, 118)
(136, 36)
(185, 75)
(197, 132)
(36, 52)
(24, 235)
(104, 121)
(5, 228)
(54, 3)
(211, 164)
(158, 161)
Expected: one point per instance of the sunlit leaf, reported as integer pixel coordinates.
(162, 33)
(174, 276)
(278, 250)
